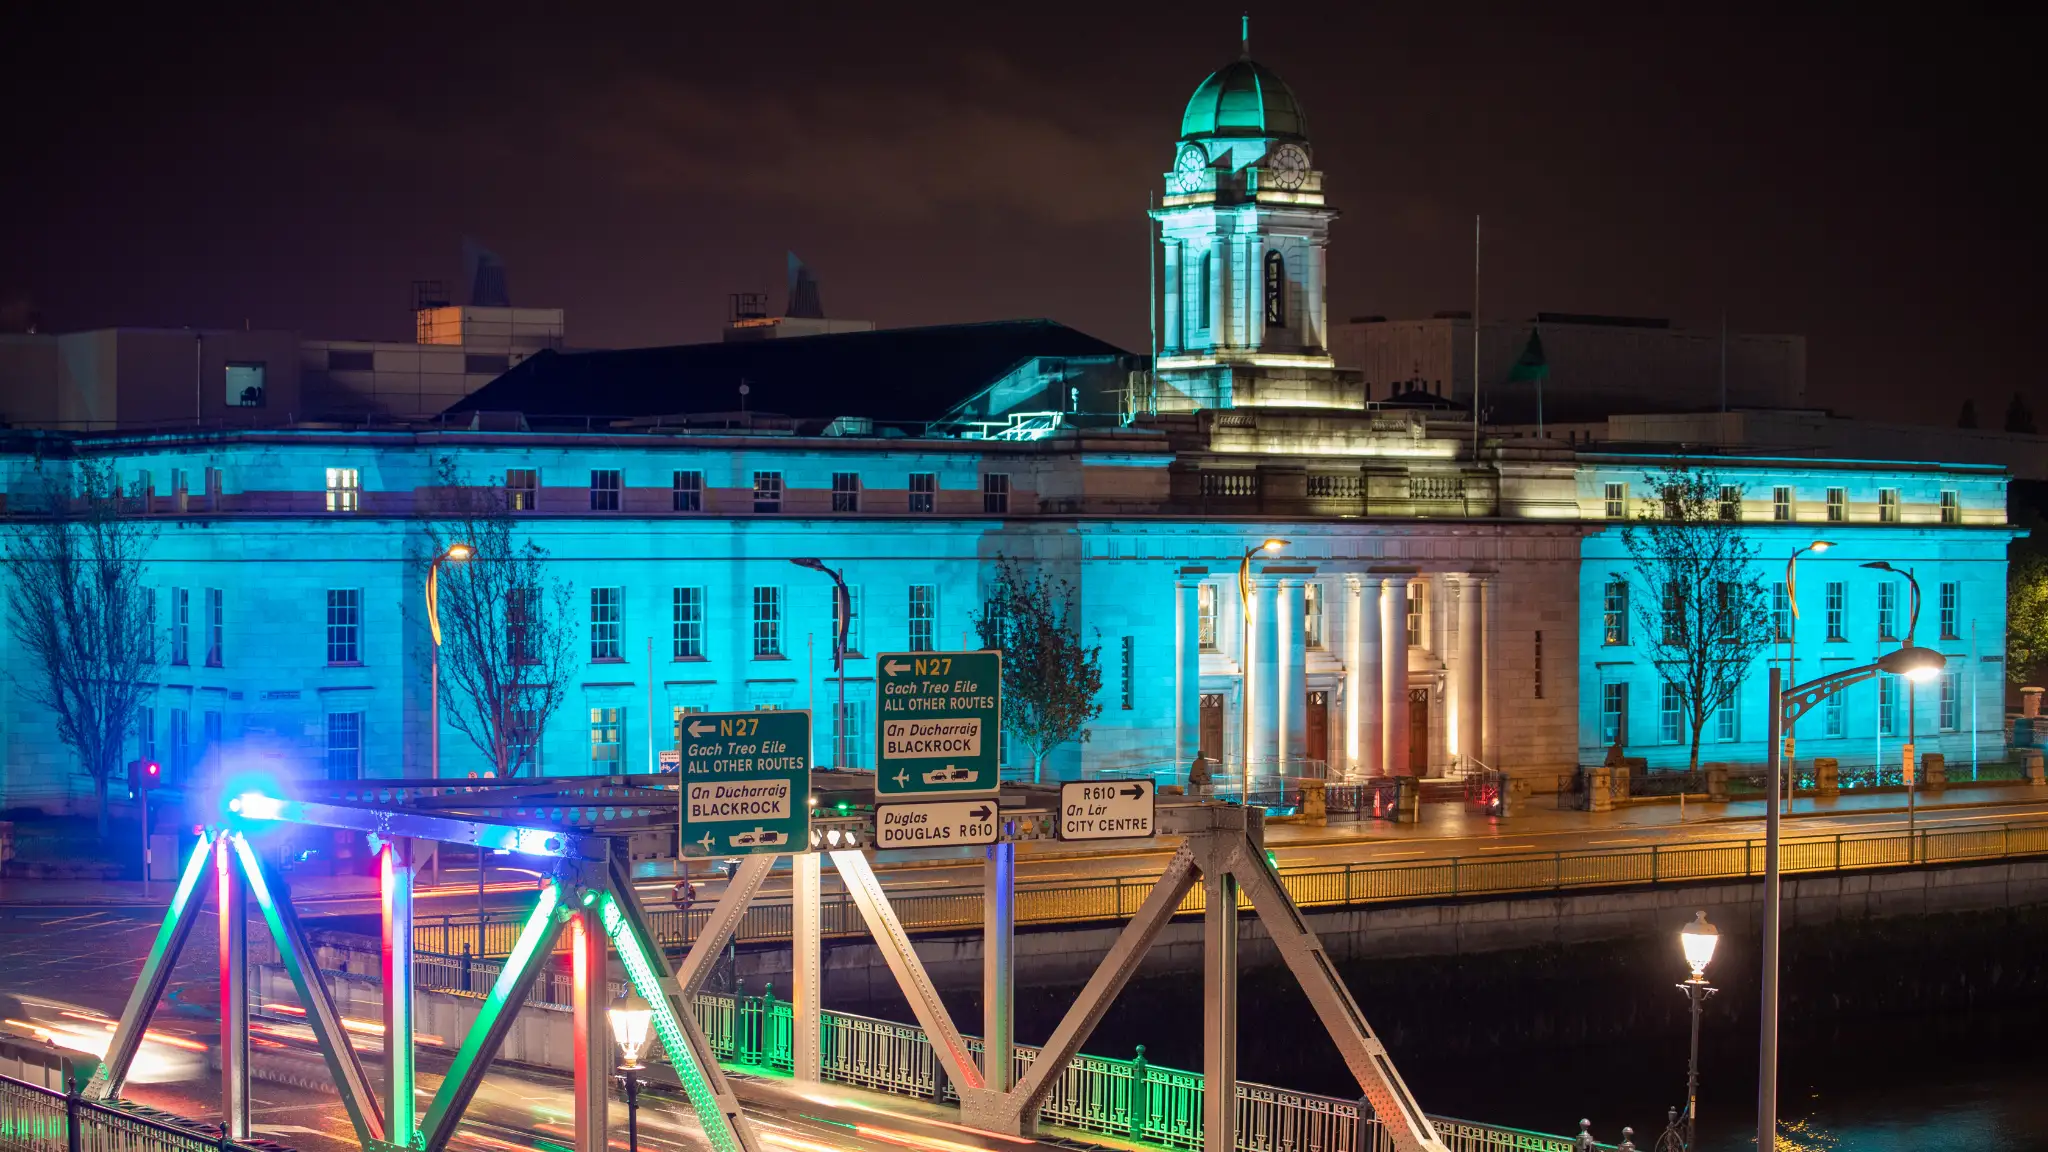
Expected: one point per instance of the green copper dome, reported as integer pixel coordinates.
(1244, 99)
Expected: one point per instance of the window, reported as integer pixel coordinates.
(767, 491)
(1727, 597)
(1312, 615)
(181, 626)
(849, 733)
(846, 491)
(145, 491)
(1887, 611)
(1951, 510)
(607, 740)
(1888, 505)
(995, 493)
(1537, 663)
(1887, 705)
(214, 628)
(213, 488)
(1671, 715)
(522, 489)
(606, 611)
(1728, 718)
(924, 491)
(1731, 502)
(145, 732)
(522, 626)
(1950, 594)
(1129, 677)
(181, 744)
(344, 490)
(1616, 503)
(1205, 616)
(767, 621)
(351, 360)
(1415, 591)
(344, 626)
(1951, 699)
(686, 624)
(1838, 505)
(1208, 273)
(523, 743)
(1837, 608)
(1276, 289)
(1673, 615)
(344, 745)
(1614, 713)
(686, 493)
(244, 385)
(852, 616)
(1781, 502)
(1781, 611)
(604, 489)
(1834, 721)
(180, 497)
(924, 612)
(676, 716)
(1614, 613)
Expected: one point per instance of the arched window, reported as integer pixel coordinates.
(1208, 271)
(1276, 289)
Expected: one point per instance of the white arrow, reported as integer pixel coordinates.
(895, 668)
(698, 728)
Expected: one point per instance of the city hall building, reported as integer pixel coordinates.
(1445, 597)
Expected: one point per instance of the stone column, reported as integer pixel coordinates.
(1394, 674)
(1265, 672)
(1470, 669)
(1293, 653)
(1187, 670)
(1489, 654)
(1364, 704)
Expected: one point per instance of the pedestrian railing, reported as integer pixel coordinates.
(1341, 885)
(36, 1119)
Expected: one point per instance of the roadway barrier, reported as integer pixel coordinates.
(1333, 885)
(37, 1119)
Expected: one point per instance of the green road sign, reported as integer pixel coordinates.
(746, 785)
(941, 723)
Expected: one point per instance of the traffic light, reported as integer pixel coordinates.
(143, 774)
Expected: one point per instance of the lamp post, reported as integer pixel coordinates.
(843, 618)
(1912, 703)
(629, 1020)
(454, 553)
(1698, 940)
(1792, 638)
(1787, 705)
(1244, 655)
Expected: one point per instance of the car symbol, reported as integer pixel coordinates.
(949, 775)
(759, 837)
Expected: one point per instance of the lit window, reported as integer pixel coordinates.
(180, 498)
(1614, 613)
(344, 626)
(1728, 719)
(604, 489)
(1674, 614)
(1312, 615)
(767, 491)
(1781, 611)
(244, 385)
(1616, 504)
(1731, 502)
(1205, 617)
(995, 493)
(344, 745)
(1781, 502)
(1838, 505)
(767, 621)
(181, 626)
(606, 611)
(1951, 699)
(1613, 713)
(344, 490)
(846, 491)
(607, 740)
(924, 612)
(1837, 608)
(1415, 605)
(522, 489)
(924, 491)
(687, 492)
(676, 717)
(522, 625)
(1951, 509)
(1951, 594)
(1671, 715)
(1887, 705)
(687, 624)
(1888, 505)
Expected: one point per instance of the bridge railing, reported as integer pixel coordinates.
(36, 1119)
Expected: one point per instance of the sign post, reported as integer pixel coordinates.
(1106, 809)
(746, 782)
(941, 724)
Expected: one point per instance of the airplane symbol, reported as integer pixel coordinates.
(709, 842)
(698, 728)
(902, 777)
(895, 668)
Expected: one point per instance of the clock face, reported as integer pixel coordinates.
(1289, 165)
(1189, 167)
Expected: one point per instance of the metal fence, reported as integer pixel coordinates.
(36, 1119)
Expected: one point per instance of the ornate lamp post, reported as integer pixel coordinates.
(455, 553)
(629, 1020)
(1698, 940)
(1787, 705)
(1912, 698)
(1792, 638)
(1244, 654)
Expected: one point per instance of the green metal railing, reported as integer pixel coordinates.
(37, 1119)
(1336, 885)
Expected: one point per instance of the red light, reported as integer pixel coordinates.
(151, 768)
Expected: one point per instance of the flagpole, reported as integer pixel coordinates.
(1475, 338)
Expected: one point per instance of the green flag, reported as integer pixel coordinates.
(1532, 366)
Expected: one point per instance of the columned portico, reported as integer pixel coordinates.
(1394, 675)
(1471, 665)
(1292, 744)
(1364, 702)
(1264, 666)
(1187, 667)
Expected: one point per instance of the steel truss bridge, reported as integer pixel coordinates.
(582, 841)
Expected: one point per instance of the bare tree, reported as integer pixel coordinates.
(1050, 676)
(79, 609)
(509, 640)
(1702, 610)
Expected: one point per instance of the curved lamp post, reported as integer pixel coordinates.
(630, 1019)
(1244, 653)
(1912, 695)
(1698, 940)
(1788, 705)
(454, 553)
(1792, 633)
(843, 619)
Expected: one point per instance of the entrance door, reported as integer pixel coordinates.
(1319, 726)
(1418, 731)
(1212, 726)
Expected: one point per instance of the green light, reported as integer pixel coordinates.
(589, 897)
(640, 970)
(1272, 861)
(844, 806)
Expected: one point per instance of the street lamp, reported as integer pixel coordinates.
(1698, 940)
(454, 553)
(843, 618)
(1792, 633)
(629, 1027)
(1787, 706)
(1244, 653)
(1912, 694)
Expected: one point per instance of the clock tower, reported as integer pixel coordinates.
(1244, 235)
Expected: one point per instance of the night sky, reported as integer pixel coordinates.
(1852, 174)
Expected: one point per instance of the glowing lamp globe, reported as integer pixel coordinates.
(1698, 939)
(630, 1020)
(1914, 663)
